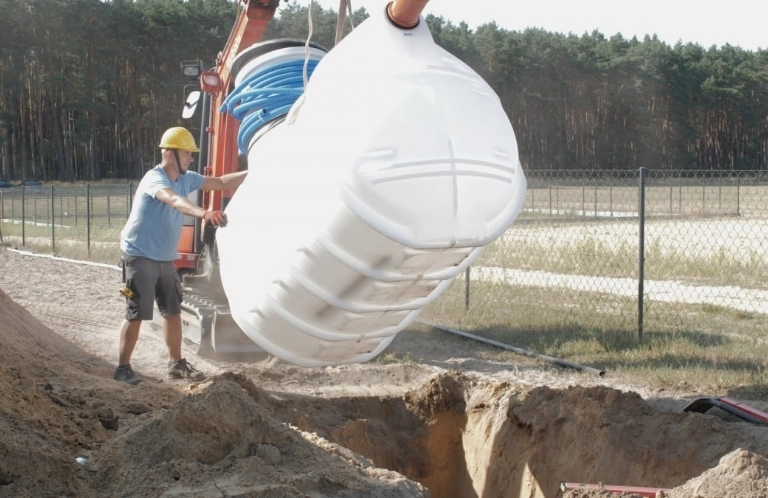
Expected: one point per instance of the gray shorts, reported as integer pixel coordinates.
(149, 281)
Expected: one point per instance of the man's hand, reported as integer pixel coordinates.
(216, 218)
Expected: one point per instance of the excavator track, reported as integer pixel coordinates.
(207, 324)
(197, 324)
(207, 327)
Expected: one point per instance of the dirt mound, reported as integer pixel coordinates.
(58, 404)
(40, 435)
(740, 474)
(220, 441)
(273, 429)
(55, 405)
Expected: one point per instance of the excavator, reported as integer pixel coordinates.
(377, 172)
(204, 308)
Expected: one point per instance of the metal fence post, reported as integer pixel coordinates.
(466, 288)
(53, 224)
(23, 220)
(670, 200)
(720, 195)
(595, 200)
(550, 200)
(88, 218)
(641, 254)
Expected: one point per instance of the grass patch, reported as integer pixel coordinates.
(394, 358)
(716, 252)
(702, 347)
(101, 245)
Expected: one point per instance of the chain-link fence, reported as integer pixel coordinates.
(607, 251)
(82, 221)
(591, 251)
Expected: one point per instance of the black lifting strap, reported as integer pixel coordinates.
(178, 161)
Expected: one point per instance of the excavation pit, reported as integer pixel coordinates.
(462, 439)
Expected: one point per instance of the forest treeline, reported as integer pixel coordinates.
(88, 86)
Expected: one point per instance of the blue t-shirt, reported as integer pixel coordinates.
(153, 227)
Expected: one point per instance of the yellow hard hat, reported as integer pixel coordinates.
(178, 138)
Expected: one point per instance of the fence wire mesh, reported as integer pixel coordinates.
(618, 251)
(592, 251)
(82, 221)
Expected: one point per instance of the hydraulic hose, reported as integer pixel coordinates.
(266, 95)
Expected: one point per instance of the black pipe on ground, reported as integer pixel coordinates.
(525, 352)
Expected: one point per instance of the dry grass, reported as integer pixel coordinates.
(712, 235)
(699, 346)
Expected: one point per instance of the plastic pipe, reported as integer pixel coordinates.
(526, 352)
(405, 13)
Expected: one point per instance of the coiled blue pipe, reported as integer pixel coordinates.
(265, 95)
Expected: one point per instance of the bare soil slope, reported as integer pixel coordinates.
(445, 424)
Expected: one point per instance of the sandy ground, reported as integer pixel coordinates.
(442, 422)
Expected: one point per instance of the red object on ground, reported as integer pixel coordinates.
(729, 405)
(638, 490)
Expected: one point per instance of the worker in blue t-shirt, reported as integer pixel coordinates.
(149, 245)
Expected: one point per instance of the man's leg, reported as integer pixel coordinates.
(129, 335)
(172, 335)
(139, 276)
(178, 368)
(169, 297)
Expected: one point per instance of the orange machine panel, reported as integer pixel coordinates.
(187, 240)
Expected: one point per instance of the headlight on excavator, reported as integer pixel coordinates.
(210, 81)
(191, 69)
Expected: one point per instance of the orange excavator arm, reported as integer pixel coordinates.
(251, 23)
(252, 20)
(220, 154)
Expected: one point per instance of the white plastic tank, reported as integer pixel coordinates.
(386, 180)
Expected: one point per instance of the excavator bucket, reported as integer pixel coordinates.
(207, 323)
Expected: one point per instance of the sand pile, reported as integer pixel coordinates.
(740, 474)
(58, 403)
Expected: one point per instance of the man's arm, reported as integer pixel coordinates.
(179, 203)
(224, 182)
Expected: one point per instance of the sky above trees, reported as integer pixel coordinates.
(738, 23)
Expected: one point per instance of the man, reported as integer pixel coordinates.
(149, 245)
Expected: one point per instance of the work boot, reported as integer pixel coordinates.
(124, 373)
(183, 370)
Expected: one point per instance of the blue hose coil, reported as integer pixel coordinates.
(266, 95)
